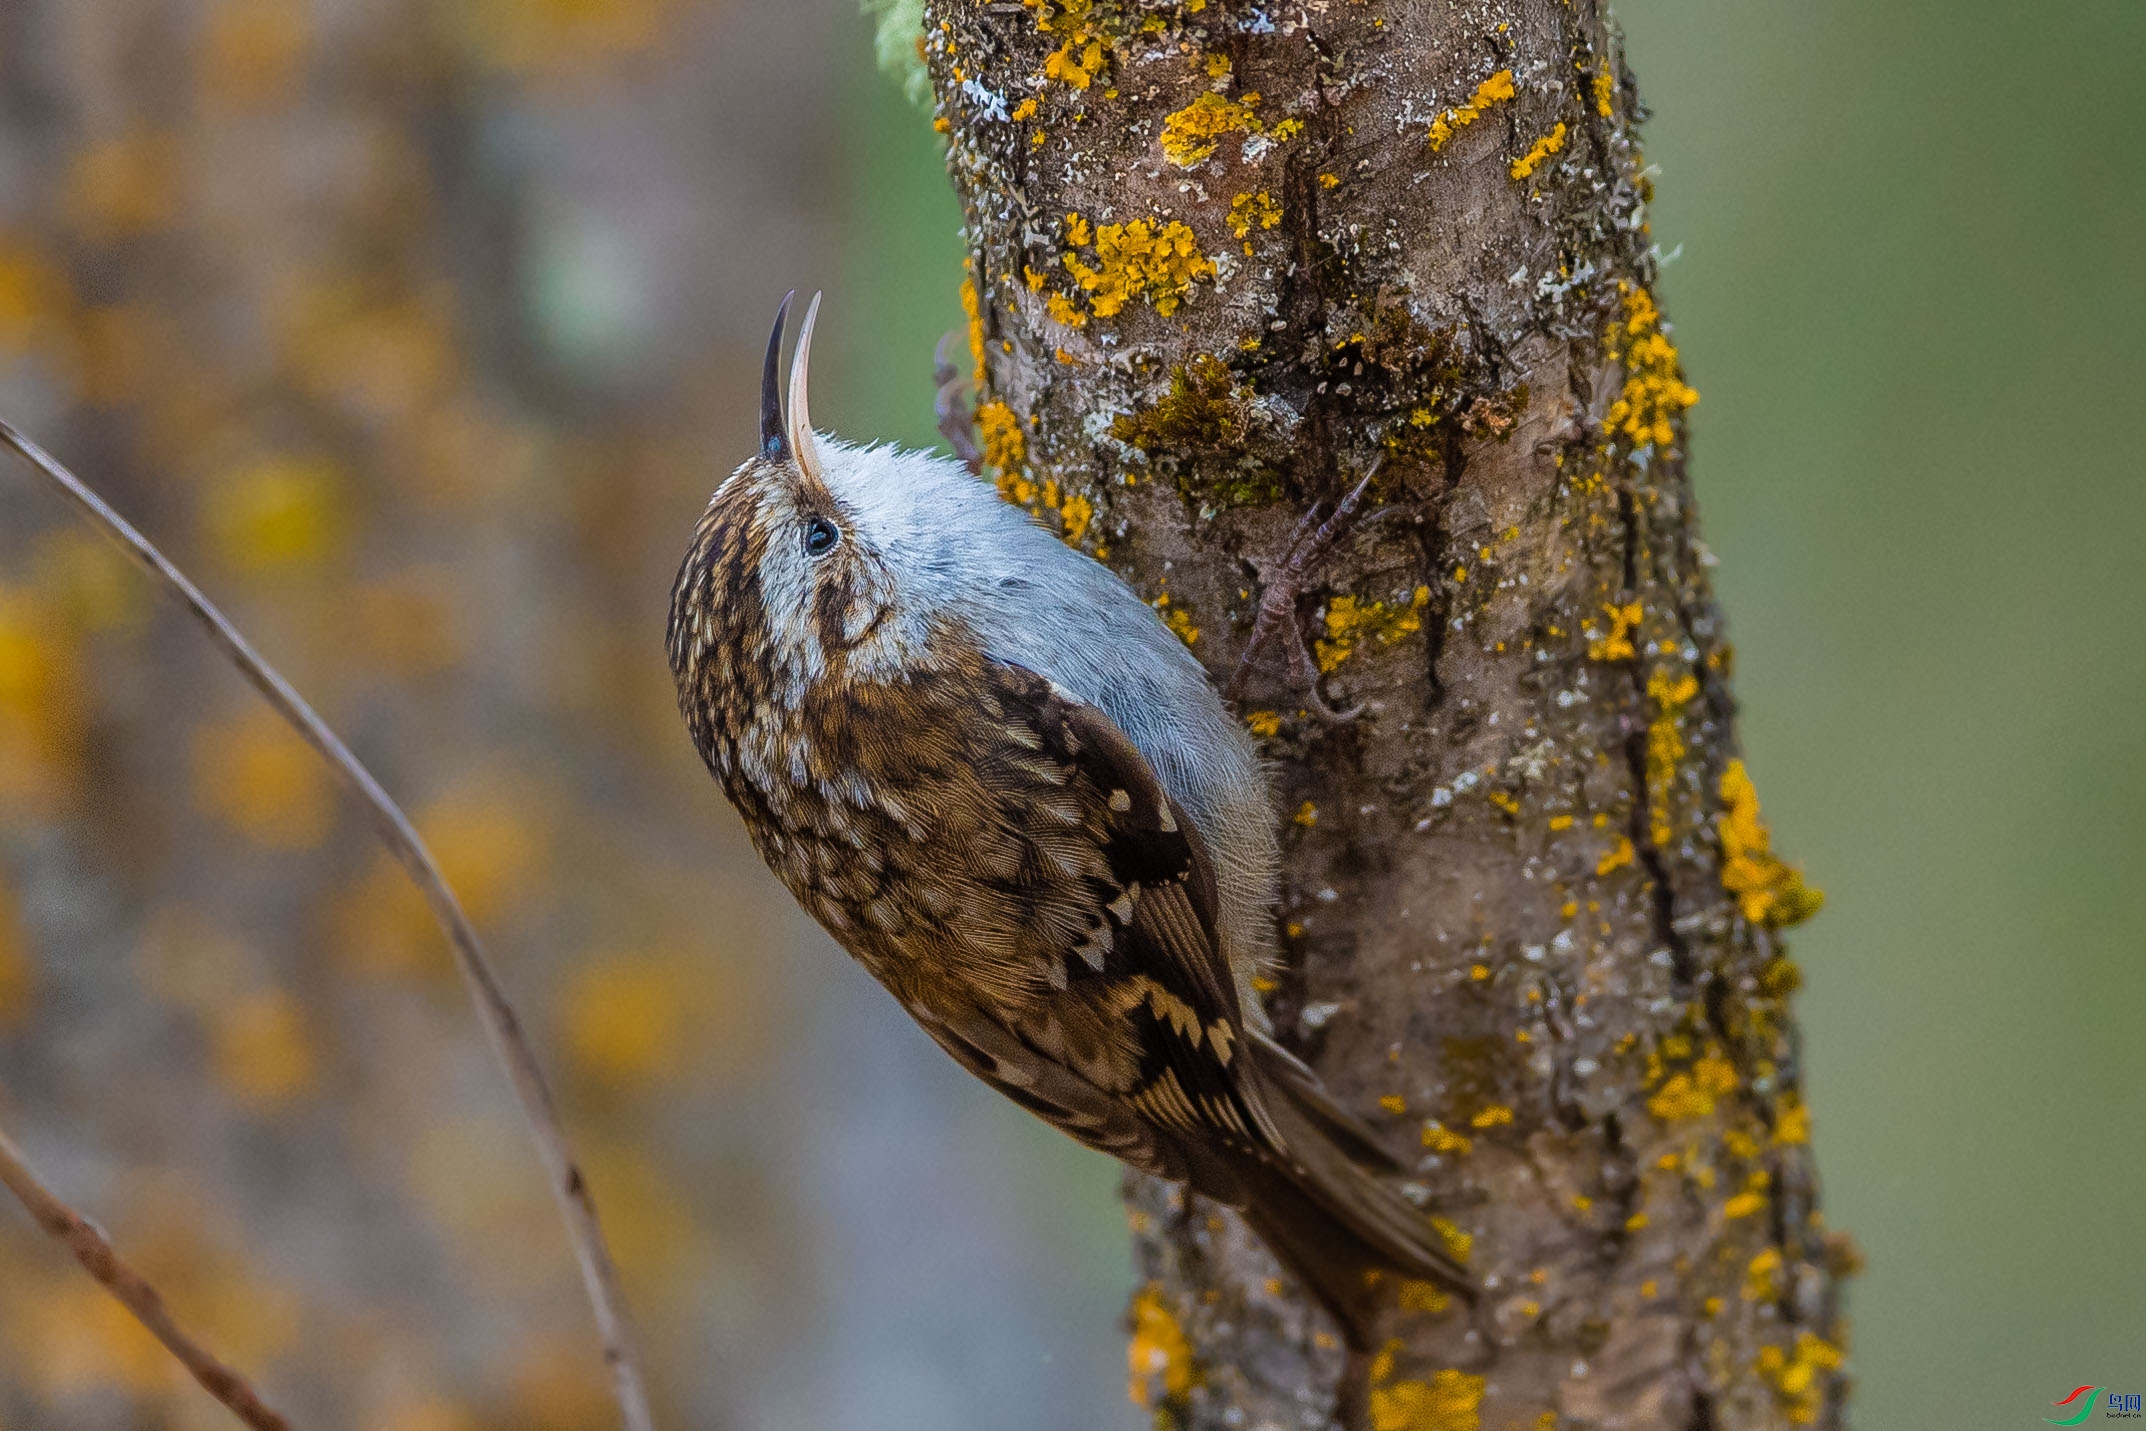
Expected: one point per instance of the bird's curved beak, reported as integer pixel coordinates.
(774, 446)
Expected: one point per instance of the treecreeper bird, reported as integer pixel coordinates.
(996, 778)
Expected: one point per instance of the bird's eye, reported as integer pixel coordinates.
(821, 536)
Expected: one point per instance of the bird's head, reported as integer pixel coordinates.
(816, 561)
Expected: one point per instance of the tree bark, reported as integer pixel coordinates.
(1225, 261)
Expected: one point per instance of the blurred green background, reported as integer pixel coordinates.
(420, 332)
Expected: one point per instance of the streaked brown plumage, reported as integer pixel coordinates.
(998, 851)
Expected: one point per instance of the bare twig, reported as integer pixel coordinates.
(598, 1274)
(94, 1251)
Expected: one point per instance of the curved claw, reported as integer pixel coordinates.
(942, 363)
(1308, 671)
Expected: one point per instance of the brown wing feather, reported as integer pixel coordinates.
(1139, 1004)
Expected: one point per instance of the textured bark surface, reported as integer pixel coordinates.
(1226, 260)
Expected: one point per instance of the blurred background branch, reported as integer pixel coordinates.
(94, 1251)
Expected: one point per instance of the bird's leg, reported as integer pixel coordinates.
(1282, 582)
(956, 423)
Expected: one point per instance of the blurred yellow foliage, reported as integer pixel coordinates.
(255, 774)
(17, 974)
(472, 1174)
(405, 624)
(89, 584)
(31, 291)
(386, 360)
(124, 187)
(274, 515)
(190, 962)
(428, 1414)
(42, 705)
(76, 1338)
(555, 1385)
(491, 838)
(659, 1243)
(119, 352)
(626, 1018)
(263, 1053)
(558, 37)
(253, 52)
(456, 455)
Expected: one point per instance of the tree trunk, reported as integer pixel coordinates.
(1226, 261)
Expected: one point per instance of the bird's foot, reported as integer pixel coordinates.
(956, 423)
(1283, 582)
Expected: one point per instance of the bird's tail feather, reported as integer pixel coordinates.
(1327, 1216)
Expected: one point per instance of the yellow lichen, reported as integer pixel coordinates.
(1762, 1277)
(1767, 890)
(1797, 1375)
(1604, 86)
(1177, 619)
(1692, 1092)
(1665, 747)
(1618, 856)
(1449, 1401)
(1005, 447)
(1144, 258)
(1075, 513)
(1307, 815)
(1253, 211)
(1005, 451)
(1350, 622)
(973, 309)
(1655, 394)
(1423, 1297)
(1457, 1242)
(1192, 134)
(1441, 1139)
(1497, 1115)
(1264, 724)
(1549, 144)
(1617, 645)
(1063, 310)
(1026, 109)
(1079, 56)
(1752, 1200)
(1791, 1120)
(1158, 1357)
(1495, 90)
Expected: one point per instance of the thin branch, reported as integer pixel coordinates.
(94, 1251)
(598, 1274)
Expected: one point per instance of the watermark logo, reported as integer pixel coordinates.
(2120, 1406)
(2083, 1399)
